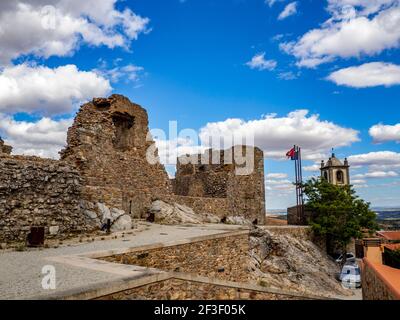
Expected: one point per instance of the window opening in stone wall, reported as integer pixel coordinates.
(339, 176)
(123, 123)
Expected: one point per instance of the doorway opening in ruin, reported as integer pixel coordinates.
(123, 123)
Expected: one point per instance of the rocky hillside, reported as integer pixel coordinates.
(289, 263)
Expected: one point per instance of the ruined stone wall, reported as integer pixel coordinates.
(39, 192)
(108, 143)
(5, 149)
(180, 289)
(224, 258)
(217, 174)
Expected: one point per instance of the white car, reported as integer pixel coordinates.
(350, 276)
(350, 257)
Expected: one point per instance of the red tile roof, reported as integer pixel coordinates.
(389, 235)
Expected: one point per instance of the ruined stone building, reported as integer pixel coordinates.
(216, 174)
(105, 165)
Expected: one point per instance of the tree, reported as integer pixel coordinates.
(338, 213)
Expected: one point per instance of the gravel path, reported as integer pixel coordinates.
(21, 272)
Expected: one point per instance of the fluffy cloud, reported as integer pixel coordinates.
(57, 27)
(367, 75)
(313, 168)
(380, 158)
(355, 28)
(259, 62)
(44, 138)
(128, 73)
(275, 134)
(377, 174)
(276, 176)
(41, 89)
(289, 10)
(383, 133)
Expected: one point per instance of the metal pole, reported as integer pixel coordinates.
(300, 185)
(297, 190)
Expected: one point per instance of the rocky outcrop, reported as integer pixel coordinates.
(99, 214)
(165, 213)
(289, 263)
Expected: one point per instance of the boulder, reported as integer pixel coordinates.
(104, 212)
(166, 213)
(123, 222)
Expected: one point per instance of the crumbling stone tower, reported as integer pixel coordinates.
(108, 143)
(218, 174)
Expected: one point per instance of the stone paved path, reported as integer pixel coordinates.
(21, 272)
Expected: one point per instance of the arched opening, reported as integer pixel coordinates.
(339, 176)
(123, 123)
(326, 175)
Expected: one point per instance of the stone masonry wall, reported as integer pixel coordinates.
(218, 206)
(218, 174)
(4, 148)
(223, 258)
(40, 192)
(179, 289)
(108, 143)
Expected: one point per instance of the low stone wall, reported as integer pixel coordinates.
(181, 289)
(221, 257)
(299, 232)
(38, 192)
(293, 217)
(380, 282)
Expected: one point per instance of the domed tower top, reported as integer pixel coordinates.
(336, 172)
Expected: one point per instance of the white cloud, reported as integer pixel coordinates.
(355, 28)
(375, 159)
(339, 8)
(275, 135)
(289, 10)
(367, 75)
(383, 133)
(41, 89)
(128, 73)
(358, 181)
(270, 3)
(44, 138)
(276, 176)
(259, 62)
(312, 168)
(377, 175)
(290, 75)
(57, 27)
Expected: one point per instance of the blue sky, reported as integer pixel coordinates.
(204, 62)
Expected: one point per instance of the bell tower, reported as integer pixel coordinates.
(336, 172)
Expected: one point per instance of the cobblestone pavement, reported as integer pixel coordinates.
(21, 272)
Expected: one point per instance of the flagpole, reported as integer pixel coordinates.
(300, 185)
(297, 180)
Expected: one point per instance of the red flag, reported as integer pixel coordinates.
(291, 153)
